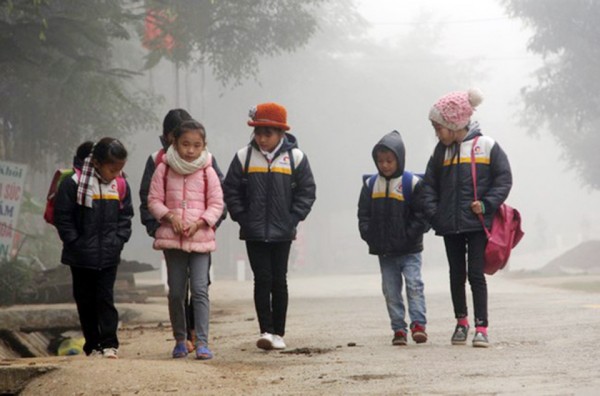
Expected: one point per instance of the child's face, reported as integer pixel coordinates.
(109, 170)
(190, 145)
(267, 138)
(387, 163)
(444, 135)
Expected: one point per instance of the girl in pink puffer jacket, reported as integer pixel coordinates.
(186, 198)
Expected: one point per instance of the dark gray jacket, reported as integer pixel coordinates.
(269, 199)
(449, 186)
(92, 237)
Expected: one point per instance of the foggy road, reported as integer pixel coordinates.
(544, 341)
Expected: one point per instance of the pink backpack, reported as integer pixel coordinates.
(505, 232)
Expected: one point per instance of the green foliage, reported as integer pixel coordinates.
(58, 81)
(231, 35)
(566, 97)
(16, 277)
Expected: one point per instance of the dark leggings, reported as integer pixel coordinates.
(93, 291)
(465, 254)
(269, 263)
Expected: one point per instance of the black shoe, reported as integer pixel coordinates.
(460, 335)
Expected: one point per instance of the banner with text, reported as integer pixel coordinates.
(12, 180)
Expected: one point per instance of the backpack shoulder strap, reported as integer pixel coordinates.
(121, 187)
(247, 162)
(159, 157)
(370, 181)
(407, 185)
(292, 167)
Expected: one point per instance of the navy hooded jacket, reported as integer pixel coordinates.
(389, 223)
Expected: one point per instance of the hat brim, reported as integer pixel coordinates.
(269, 124)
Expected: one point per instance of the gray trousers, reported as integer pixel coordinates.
(181, 267)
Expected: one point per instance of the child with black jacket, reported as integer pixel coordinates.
(93, 217)
(269, 189)
(392, 222)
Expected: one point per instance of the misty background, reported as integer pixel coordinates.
(376, 69)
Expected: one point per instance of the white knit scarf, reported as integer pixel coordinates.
(182, 166)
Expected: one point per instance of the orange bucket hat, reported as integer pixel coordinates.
(269, 115)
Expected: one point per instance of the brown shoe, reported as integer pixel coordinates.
(418, 333)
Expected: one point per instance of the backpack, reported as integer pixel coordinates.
(406, 183)
(62, 174)
(505, 232)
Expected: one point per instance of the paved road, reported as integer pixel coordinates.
(545, 342)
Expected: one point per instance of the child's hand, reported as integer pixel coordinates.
(176, 223)
(195, 226)
(477, 207)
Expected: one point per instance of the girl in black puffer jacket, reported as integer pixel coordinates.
(452, 208)
(93, 217)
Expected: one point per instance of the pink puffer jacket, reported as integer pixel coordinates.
(188, 197)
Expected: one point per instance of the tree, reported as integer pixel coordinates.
(229, 36)
(566, 97)
(58, 82)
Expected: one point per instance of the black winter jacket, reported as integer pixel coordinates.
(449, 186)
(262, 199)
(148, 220)
(92, 237)
(387, 222)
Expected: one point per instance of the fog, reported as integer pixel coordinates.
(339, 105)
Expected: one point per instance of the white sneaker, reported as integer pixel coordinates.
(110, 353)
(265, 341)
(96, 353)
(278, 342)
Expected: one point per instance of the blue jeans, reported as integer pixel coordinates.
(395, 270)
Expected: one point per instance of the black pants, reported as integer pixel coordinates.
(465, 254)
(269, 262)
(94, 296)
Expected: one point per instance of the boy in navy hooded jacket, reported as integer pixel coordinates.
(392, 222)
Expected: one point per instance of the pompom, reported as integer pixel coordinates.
(475, 97)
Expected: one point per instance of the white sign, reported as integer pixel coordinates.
(12, 179)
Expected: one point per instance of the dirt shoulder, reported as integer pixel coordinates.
(544, 342)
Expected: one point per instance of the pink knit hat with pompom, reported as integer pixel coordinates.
(454, 110)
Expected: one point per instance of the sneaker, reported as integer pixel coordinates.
(265, 341)
(96, 353)
(460, 335)
(399, 338)
(480, 340)
(278, 342)
(203, 353)
(180, 350)
(418, 333)
(110, 353)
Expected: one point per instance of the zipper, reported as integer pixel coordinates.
(457, 183)
(268, 199)
(183, 207)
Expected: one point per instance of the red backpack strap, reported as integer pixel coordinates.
(474, 177)
(122, 188)
(159, 157)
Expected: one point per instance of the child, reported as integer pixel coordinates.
(452, 208)
(94, 223)
(269, 189)
(171, 121)
(393, 227)
(186, 197)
